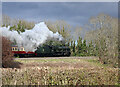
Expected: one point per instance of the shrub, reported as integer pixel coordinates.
(7, 59)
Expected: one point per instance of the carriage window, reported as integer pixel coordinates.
(13, 49)
(21, 49)
(16, 49)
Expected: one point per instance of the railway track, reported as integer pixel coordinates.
(31, 58)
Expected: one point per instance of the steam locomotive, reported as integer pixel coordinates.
(42, 51)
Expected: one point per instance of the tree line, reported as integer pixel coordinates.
(18, 25)
(80, 48)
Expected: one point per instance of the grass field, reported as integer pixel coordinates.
(67, 71)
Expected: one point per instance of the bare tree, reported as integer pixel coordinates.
(6, 21)
(104, 34)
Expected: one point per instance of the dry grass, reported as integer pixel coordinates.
(60, 72)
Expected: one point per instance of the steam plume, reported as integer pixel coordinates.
(31, 39)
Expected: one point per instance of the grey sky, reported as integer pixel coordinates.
(75, 13)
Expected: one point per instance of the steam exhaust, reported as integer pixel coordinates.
(31, 39)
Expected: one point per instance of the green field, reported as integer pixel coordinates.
(67, 71)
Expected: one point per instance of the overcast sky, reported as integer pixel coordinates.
(74, 13)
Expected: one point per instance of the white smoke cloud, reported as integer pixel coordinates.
(31, 39)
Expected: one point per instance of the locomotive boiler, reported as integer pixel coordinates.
(53, 51)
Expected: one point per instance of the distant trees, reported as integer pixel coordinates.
(81, 48)
(6, 20)
(54, 43)
(17, 25)
(61, 27)
(91, 49)
(74, 49)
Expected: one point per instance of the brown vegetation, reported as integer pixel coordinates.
(6, 53)
(60, 72)
(7, 56)
(104, 35)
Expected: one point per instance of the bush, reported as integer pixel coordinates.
(7, 56)
(7, 59)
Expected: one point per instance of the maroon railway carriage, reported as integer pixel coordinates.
(20, 52)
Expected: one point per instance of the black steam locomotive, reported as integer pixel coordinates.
(47, 50)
